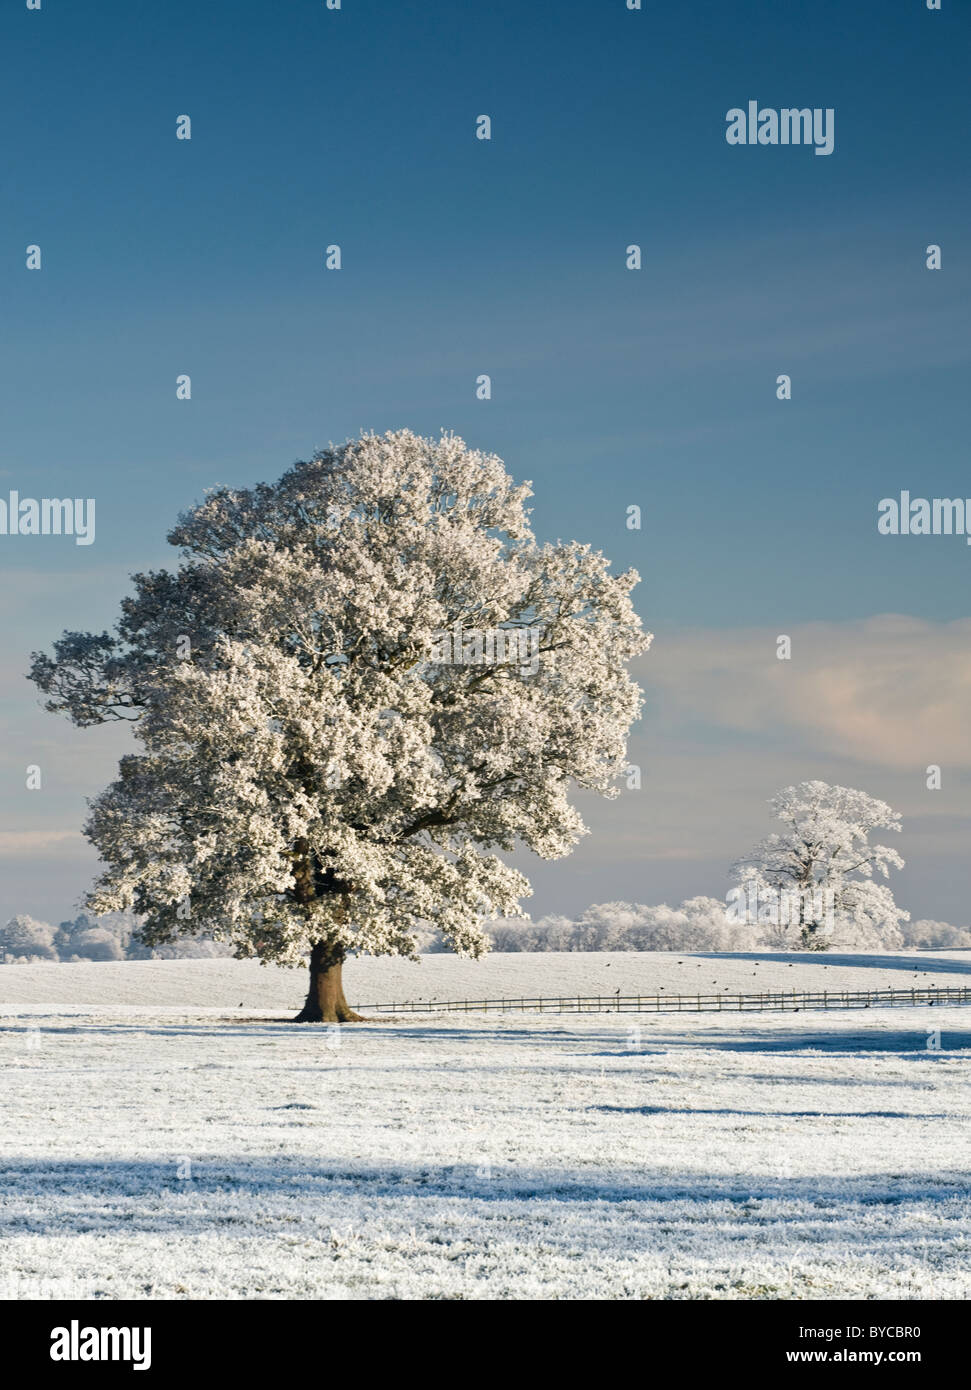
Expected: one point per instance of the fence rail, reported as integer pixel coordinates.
(784, 1000)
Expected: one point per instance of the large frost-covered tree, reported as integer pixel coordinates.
(820, 873)
(361, 682)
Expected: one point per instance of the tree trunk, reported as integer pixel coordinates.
(325, 1002)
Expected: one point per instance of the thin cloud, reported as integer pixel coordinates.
(889, 691)
(19, 844)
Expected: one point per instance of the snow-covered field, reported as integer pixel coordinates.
(163, 1150)
(368, 980)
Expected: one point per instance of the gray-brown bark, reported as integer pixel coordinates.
(325, 1002)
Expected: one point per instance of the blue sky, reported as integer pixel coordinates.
(610, 387)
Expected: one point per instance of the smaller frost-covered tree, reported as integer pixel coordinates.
(819, 876)
(24, 938)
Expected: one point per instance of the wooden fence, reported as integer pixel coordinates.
(786, 1001)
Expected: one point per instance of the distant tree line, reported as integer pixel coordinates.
(112, 937)
(699, 924)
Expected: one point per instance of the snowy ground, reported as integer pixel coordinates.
(232, 984)
(205, 1153)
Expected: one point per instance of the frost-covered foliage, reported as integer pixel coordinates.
(309, 771)
(25, 939)
(823, 866)
(699, 924)
(927, 935)
(94, 938)
(97, 943)
(191, 948)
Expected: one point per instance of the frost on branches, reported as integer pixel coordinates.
(311, 778)
(817, 879)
